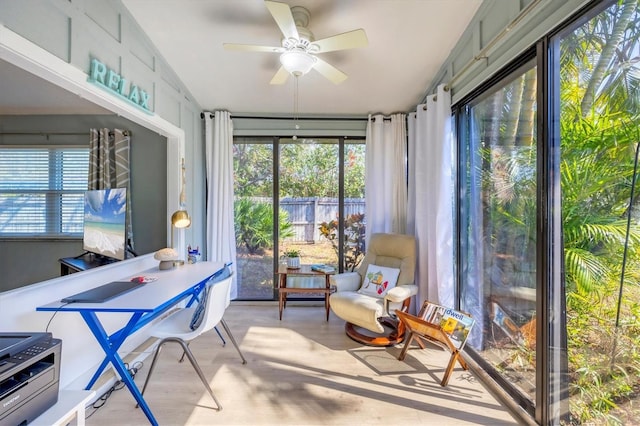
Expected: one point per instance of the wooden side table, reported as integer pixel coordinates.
(303, 271)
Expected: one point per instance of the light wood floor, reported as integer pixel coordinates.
(302, 371)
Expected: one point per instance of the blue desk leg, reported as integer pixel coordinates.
(110, 346)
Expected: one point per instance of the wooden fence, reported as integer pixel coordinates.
(306, 213)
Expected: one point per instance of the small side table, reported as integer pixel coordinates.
(303, 271)
(69, 265)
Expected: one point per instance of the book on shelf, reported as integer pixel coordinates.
(327, 269)
(455, 324)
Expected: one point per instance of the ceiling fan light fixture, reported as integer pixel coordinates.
(297, 62)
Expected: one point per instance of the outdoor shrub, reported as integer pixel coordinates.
(254, 225)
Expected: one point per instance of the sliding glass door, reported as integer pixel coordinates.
(316, 186)
(498, 228)
(253, 215)
(596, 104)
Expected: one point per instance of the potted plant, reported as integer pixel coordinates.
(293, 258)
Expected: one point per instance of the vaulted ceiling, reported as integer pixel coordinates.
(408, 40)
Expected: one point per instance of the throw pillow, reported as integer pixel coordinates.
(198, 313)
(379, 280)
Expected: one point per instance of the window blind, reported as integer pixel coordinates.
(42, 190)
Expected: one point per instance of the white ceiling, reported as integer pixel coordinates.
(408, 42)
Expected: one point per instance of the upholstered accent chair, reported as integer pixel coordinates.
(370, 314)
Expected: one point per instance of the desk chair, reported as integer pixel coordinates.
(182, 327)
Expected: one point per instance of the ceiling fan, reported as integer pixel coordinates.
(299, 48)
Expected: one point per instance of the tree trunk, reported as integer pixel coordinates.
(512, 116)
(527, 112)
(627, 10)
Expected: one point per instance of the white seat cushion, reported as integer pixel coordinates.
(358, 309)
(177, 323)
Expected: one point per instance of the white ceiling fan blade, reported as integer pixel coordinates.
(281, 12)
(281, 76)
(329, 71)
(252, 48)
(348, 40)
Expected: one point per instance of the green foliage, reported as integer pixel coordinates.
(354, 230)
(596, 172)
(599, 125)
(254, 225)
(252, 166)
(308, 170)
(311, 170)
(292, 253)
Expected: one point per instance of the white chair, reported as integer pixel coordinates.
(177, 327)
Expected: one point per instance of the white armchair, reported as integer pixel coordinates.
(369, 318)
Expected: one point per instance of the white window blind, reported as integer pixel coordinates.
(42, 190)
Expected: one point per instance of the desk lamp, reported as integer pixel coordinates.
(180, 219)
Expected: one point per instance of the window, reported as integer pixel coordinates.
(42, 191)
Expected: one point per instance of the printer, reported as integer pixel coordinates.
(29, 375)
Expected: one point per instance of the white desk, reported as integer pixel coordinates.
(70, 405)
(144, 304)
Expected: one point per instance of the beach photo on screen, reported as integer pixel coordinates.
(105, 222)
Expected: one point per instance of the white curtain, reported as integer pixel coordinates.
(431, 192)
(386, 175)
(221, 246)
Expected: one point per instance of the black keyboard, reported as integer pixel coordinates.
(102, 293)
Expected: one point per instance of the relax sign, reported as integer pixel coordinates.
(115, 83)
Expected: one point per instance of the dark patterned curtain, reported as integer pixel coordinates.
(109, 165)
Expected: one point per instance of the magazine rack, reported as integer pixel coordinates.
(421, 330)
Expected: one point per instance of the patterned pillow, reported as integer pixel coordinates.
(379, 280)
(198, 313)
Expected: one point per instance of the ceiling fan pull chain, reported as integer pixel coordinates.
(295, 108)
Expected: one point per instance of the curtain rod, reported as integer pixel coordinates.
(124, 132)
(263, 117)
(43, 134)
(298, 118)
(482, 54)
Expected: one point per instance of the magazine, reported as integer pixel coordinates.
(327, 269)
(455, 324)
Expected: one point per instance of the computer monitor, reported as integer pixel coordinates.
(105, 224)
